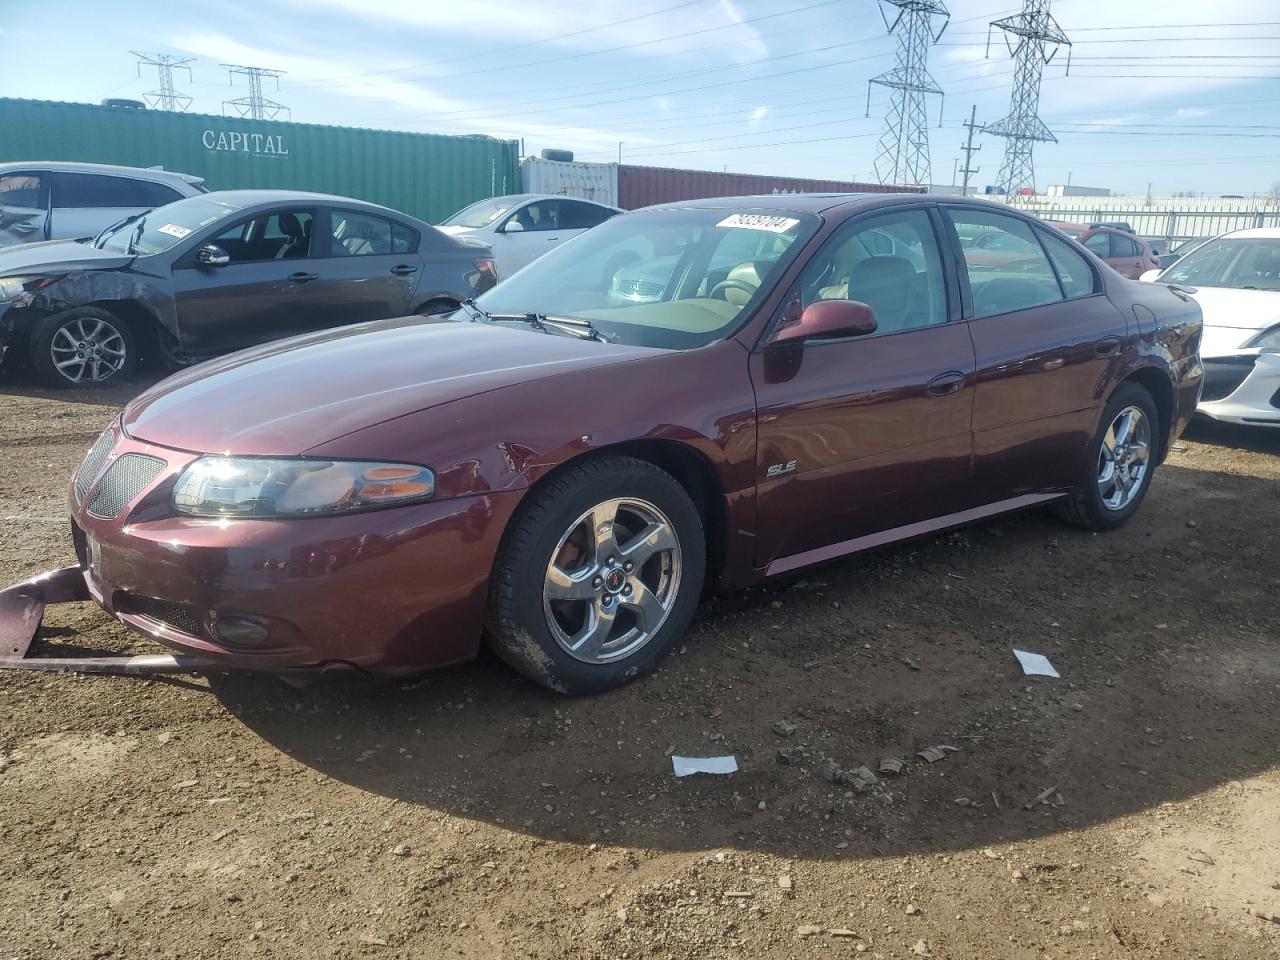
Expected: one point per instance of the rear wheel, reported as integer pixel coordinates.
(84, 347)
(1119, 462)
(598, 576)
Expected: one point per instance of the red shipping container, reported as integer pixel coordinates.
(644, 186)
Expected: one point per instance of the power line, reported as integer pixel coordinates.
(902, 156)
(166, 98)
(1039, 38)
(255, 105)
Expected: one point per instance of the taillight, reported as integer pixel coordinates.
(487, 267)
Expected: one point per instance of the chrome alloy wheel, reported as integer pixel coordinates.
(1124, 460)
(87, 350)
(612, 580)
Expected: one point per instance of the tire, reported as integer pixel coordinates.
(639, 608)
(105, 347)
(1099, 503)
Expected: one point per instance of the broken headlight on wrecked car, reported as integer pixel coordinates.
(262, 487)
(18, 290)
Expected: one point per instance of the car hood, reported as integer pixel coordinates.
(58, 256)
(1232, 316)
(284, 398)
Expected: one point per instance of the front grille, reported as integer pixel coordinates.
(1223, 376)
(180, 616)
(92, 463)
(124, 480)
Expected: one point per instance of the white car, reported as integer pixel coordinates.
(522, 227)
(56, 200)
(1236, 281)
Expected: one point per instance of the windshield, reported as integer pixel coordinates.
(480, 214)
(163, 227)
(675, 279)
(1244, 263)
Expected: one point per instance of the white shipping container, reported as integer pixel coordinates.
(590, 181)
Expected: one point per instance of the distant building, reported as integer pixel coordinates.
(1073, 190)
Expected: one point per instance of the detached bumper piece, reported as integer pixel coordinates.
(22, 609)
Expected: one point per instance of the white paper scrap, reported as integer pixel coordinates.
(687, 765)
(1035, 664)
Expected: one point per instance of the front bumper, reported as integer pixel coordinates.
(390, 591)
(1242, 388)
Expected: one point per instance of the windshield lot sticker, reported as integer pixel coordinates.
(758, 221)
(174, 230)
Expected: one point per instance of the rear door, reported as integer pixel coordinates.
(24, 207)
(269, 289)
(1126, 255)
(84, 203)
(1045, 336)
(372, 267)
(869, 434)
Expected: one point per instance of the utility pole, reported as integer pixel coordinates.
(1038, 40)
(620, 142)
(969, 150)
(166, 98)
(902, 156)
(255, 105)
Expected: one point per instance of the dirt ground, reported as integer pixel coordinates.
(470, 814)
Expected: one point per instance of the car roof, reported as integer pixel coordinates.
(71, 166)
(1256, 233)
(244, 199)
(526, 197)
(846, 203)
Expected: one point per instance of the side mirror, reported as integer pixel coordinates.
(829, 320)
(1150, 276)
(513, 226)
(212, 255)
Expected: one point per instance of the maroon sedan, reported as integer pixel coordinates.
(564, 465)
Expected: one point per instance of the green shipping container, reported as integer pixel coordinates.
(423, 174)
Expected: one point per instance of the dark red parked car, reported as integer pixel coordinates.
(564, 471)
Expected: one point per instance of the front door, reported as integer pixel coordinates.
(272, 287)
(1045, 336)
(863, 436)
(528, 233)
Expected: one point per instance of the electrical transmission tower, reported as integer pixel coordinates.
(1038, 40)
(902, 156)
(255, 105)
(166, 98)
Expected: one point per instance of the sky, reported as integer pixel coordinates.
(1170, 96)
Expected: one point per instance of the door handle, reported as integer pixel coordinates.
(25, 226)
(1107, 346)
(403, 269)
(302, 277)
(945, 384)
(1053, 364)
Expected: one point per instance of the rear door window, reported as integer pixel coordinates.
(359, 234)
(89, 190)
(581, 216)
(1073, 267)
(1007, 272)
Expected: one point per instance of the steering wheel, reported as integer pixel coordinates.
(724, 285)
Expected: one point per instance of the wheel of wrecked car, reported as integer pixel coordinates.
(599, 575)
(84, 347)
(1119, 462)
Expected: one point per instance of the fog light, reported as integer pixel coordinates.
(238, 631)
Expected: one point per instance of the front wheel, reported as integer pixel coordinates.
(84, 347)
(1119, 462)
(598, 577)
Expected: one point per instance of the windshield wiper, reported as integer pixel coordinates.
(136, 235)
(583, 329)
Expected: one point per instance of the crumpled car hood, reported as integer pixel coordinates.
(57, 256)
(286, 397)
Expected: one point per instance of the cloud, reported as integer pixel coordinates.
(1190, 113)
(758, 114)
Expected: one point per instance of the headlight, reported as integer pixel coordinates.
(259, 487)
(1268, 340)
(19, 289)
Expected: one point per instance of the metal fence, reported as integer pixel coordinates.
(1159, 221)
